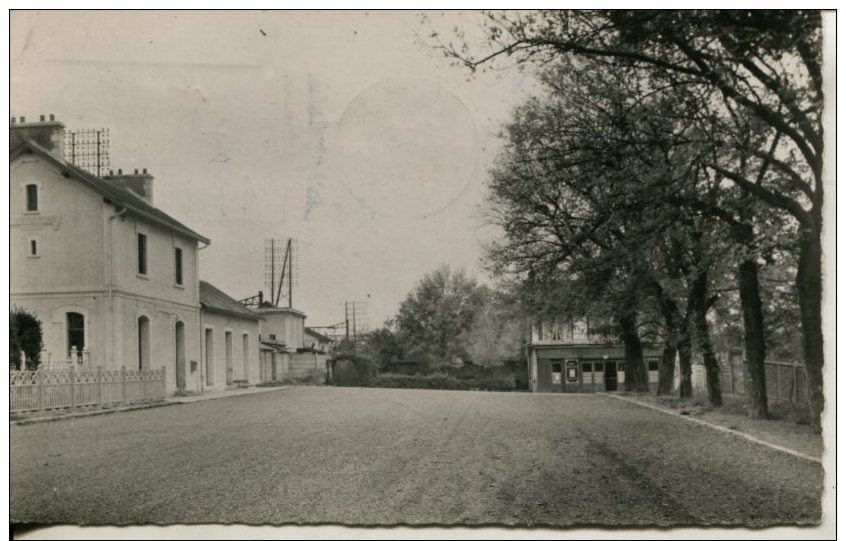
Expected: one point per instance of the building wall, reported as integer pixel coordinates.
(68, 227)
(583, 368)
(215, 358)
(160, 280)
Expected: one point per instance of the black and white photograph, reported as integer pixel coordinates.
(356, 273)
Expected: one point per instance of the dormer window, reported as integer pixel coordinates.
(32, 197)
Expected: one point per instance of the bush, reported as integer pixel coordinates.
(25, 337)
(443, 381)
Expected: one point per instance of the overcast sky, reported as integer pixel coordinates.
(337, 128)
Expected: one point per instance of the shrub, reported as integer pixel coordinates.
(25, 336)
(439, 380)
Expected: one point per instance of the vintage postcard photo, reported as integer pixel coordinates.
(532, 270)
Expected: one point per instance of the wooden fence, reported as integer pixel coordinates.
(54, 389)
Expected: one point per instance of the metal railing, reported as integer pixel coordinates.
(41, 390)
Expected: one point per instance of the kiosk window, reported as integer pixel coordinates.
(556, 373)
(599, 367)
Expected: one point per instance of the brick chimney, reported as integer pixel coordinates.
(49, 133)
(139, 183)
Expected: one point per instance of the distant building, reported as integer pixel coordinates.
(318, 341)
(113, 279)
(569, 356)
(282, 325)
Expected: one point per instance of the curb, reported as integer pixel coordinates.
(737, 433)
(192, 400)
(79, 415)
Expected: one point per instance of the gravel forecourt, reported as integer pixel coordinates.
(390, 456)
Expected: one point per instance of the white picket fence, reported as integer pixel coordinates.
(54, 389)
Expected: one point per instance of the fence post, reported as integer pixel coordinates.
(99, 385)
(795, 395)
(144, 382)
(778, 380)
(73, 387)
(164, 382)
(39, 383)
(123, 383)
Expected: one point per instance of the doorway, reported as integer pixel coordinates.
(610, 375)
(180, 355)
(143, 343)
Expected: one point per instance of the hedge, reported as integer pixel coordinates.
(442, 381)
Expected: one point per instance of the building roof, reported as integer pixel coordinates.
(274, 344)
(113, 194)
(320, 336)
(215, 300)
(279, 310)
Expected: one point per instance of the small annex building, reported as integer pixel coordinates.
(230, 340)
(567, 357)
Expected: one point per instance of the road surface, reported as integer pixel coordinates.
(390, 456)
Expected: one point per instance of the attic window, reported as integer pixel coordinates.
(32, 198)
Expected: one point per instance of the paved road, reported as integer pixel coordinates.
(403, 456)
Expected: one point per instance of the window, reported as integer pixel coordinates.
(271, 337)
(586, 367)
(653, 366)
(142, 253)
(556, 373)
(32, 198)
(32, 248)
(598, 367)
(76, 331)
(177, 263)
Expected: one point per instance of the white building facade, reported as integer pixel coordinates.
(113, 280)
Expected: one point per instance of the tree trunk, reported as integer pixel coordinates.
(637, 378)
(753, 338)
(667, 368)
(809, 287)
(685, 367)
(667, 365)
(703, 339)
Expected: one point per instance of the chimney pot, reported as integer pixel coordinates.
(23, 119)
(136, 171)
(145, 170)
(42, 118)
(52, 117)
(120, 171)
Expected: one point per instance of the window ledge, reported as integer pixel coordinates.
(142, 276)
(179, 286)
(36, 256)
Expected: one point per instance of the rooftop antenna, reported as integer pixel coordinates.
(88, 149)
(281, 268)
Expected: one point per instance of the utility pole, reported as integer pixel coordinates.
(289, 255)
(347, 318)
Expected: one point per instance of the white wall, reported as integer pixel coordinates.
(242, 368)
